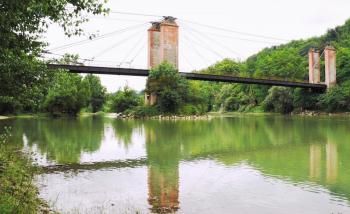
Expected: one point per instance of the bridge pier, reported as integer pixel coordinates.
(330, 66)
(314, 66)
(163, 45)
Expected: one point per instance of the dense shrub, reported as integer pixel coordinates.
(124, 99)
(67, 94)
(171, 89)
(336, 99)
(97, 92)
(279, 99)
(18, 193)
(144, 111)
(304, 99)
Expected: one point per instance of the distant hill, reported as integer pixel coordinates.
(290, 62)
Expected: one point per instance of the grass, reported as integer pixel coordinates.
(18, 193)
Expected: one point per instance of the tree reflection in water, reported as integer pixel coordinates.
(295, 149)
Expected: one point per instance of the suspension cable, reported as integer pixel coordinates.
(138, 52)
(212, 40)
(194, 48)
(115, 45)
(133, 48)
(196, 41)
(233, 31)
(97, 37)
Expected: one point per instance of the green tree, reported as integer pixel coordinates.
(171, 89)
(304, 99)
(67, 94)
(97, 92)
(226, 67)
(125, 99)
(336, 99)
(279, 99)
(24, 78)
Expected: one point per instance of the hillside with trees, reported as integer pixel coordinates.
(287, 62)
(28, 86)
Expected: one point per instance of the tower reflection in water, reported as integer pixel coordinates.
(163, 172)
(313, 158)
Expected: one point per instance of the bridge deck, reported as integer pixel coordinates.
(190, 76)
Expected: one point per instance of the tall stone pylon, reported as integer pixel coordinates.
(330, 66)
(163, 45)
(314, 66)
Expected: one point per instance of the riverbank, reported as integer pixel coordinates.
(157, 117)
(18, 193)
(319, 113)
(179, 117)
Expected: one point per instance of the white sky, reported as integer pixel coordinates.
(199, 46)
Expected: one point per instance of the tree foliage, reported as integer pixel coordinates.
(279, 99)
(171, 89)
(125, 99)
(336, 99)
(97, 92)
(286, 62)
(24, 78)
(67, 94)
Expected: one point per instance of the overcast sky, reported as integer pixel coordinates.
(263, 24)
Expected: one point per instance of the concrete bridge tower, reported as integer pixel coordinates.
(163, 45)
(330, 66)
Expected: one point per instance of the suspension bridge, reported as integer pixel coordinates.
(163, 45)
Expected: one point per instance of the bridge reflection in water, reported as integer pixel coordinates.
(297, 150)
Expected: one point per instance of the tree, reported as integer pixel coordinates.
(125, 99)
(97, 92)
(23, 77)
(279, 99)
(171, 89)
(304, 99)
(336, 99)
(67, 94)
(226, 67)
(24, 83)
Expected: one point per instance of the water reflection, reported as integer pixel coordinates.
(62, 140)
(332, 162)
(290, 149)
(315, 162)
(163, 168)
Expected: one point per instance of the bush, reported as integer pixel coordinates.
(67, 95)
(144, 111)
(336, 99)
(171, 89)
(18, 193)
(9, 104)
(190, 109)
(97, 92)
(279, 99)
(304, 99)
(125, 99)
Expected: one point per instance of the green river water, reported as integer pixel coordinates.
(237, 164)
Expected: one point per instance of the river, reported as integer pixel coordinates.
(236, 164)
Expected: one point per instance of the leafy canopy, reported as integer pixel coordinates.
(24, 78)
(171, 89)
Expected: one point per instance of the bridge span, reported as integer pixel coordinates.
(191, 76)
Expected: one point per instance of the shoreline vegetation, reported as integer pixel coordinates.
(62, 93)
(206, 116)
(18, 192)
